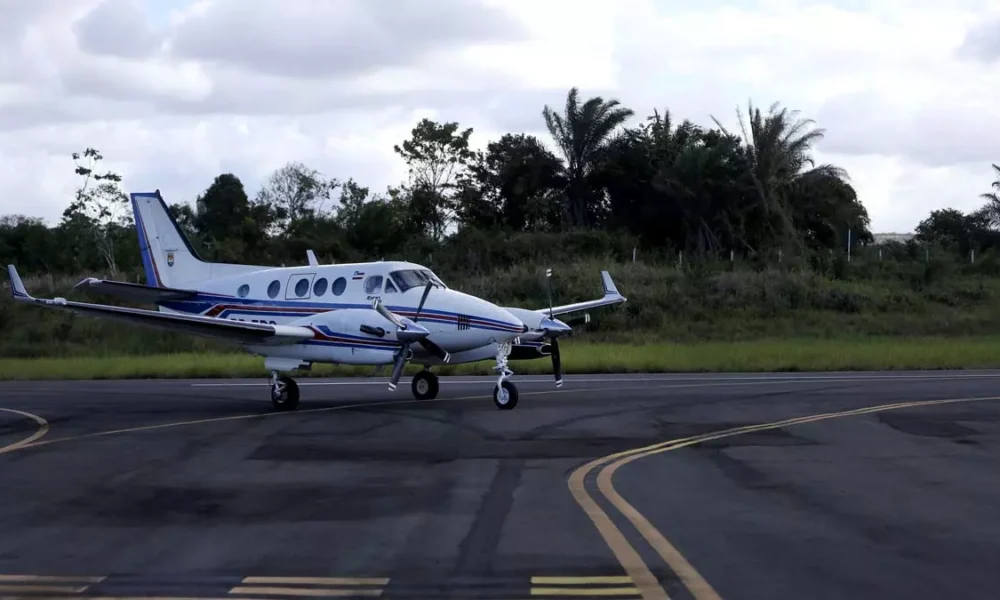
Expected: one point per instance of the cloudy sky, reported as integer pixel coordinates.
(173, 92)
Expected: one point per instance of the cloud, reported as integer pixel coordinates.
(174, 92)
(117, 28)
(317, 38)
(982, 42)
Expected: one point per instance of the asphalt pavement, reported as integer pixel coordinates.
(846, 485)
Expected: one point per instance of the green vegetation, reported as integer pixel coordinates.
(736, 252)
(760, 355)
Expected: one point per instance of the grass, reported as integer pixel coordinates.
(855, 353)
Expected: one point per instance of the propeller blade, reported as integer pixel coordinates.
(434, 349)
(397, 368)
(389, 315)
(548, 278)
(427, 290)
(556, 362)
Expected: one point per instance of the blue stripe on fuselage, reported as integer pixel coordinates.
(204, 303)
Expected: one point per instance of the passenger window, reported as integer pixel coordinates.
(273, 289)
(302, 288)
(339, 285)
(373, 284)
(243, 291)
(319, 288)
(389, 288)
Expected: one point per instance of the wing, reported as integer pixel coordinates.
(133, 291)
(611, 296)
(235, 331)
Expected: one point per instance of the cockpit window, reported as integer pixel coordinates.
(373, 284)
(409, 278)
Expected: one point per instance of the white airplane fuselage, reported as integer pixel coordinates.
(336, 300)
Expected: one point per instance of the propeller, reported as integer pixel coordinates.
(407, 332)
(428, 345)
(553, 328)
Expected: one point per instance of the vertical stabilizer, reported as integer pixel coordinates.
(168, 258)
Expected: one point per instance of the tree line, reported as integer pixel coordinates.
(606, 187)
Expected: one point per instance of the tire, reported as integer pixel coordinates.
(425, 385)
(289, 397)
(511, 392)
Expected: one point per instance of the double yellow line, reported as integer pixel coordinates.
(647, 583)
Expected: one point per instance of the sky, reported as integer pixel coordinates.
(175, 92)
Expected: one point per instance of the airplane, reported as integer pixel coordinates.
(372, 313)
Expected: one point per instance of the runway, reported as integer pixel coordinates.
(859, 485)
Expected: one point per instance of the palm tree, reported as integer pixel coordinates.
(778, 159)
(581, 134)
(992, 209)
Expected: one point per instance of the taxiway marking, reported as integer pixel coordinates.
(648, 585)
(43, 428)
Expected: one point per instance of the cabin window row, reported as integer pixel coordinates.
(301, 289)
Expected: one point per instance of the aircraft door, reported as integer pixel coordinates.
(299, 286)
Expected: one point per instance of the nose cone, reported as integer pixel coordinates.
(554, 327)
(412, 333)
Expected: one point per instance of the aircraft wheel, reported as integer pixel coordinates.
(425, 385)
(285, 394)
(505, 396)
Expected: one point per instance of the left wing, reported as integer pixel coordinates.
(235, 331)
(611, 296)
(146, 294)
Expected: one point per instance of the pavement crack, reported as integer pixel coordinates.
(477, 551)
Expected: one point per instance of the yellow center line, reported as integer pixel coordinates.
(43, 428)
(688, 575)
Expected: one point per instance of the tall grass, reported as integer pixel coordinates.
(735, 357)
(703, 302)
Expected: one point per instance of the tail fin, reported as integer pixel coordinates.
(168, 258)
(167, 255)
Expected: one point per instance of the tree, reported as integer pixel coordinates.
(295, 193)
(230, 227)
(436, 154)
(581, 134)
(777, 155)
(100, 205)
(992, 209)
(512, 185)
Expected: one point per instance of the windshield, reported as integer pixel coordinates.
(410, 278)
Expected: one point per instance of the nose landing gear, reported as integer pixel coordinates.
(505, 392)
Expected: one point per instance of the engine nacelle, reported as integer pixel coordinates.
(348, 336)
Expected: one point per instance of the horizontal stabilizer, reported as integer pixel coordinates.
(234, 331)
(133, 291)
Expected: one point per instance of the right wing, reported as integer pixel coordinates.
(611, 296)
(235, 331)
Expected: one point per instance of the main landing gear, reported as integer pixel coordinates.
(425, 385)
(284, 392)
